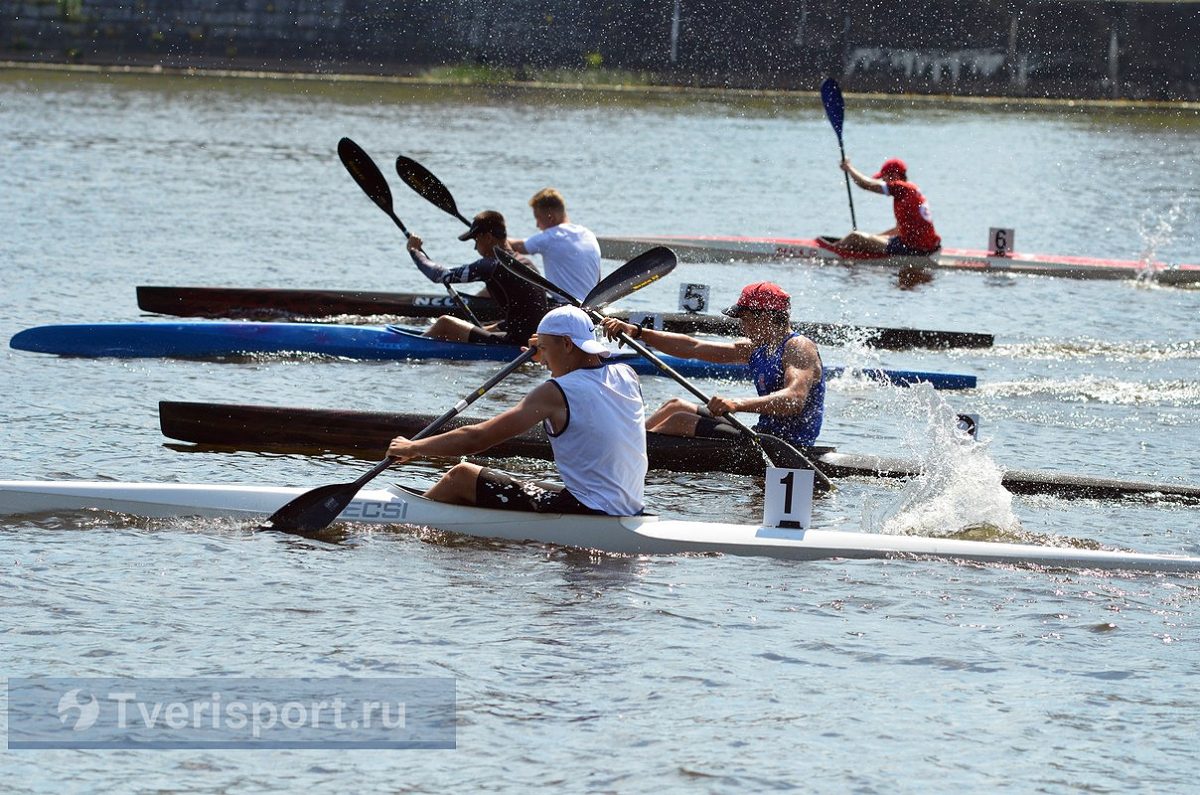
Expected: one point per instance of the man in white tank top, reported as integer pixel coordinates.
(570, 252)
(592, 413)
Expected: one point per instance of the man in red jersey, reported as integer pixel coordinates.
(913, 235)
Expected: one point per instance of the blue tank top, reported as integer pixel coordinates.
(766, 370)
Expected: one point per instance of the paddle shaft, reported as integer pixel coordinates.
(458, 299)
(368, 176)
(849, 193)
(822, 479)
(452, 412)
(316, 508)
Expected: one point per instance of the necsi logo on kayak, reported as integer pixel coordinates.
(393, 511)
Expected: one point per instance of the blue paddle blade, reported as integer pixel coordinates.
(835, 106)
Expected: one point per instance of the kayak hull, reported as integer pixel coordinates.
(742, 249)
(636, 535)
(278, 303)
(266, 302)
(366, 434)
(212, 339)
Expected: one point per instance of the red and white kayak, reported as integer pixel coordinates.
(718, 248)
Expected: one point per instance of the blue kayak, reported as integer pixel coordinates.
(218, 338)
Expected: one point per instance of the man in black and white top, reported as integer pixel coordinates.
(523, 304)
(592, 413)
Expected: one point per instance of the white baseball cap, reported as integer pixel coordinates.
(571, 321)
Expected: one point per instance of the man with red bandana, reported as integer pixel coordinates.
(913, 235)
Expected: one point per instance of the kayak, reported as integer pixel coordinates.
(271, 303)
(821, 251)
(278, 302)
(629, 535)
(367, 433)
(204, 339)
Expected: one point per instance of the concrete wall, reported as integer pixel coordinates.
(1020, 47)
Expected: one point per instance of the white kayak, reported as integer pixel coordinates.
(713, 248)
(398, 505)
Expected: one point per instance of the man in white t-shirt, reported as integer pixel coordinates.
(593, 415)
(570, 253)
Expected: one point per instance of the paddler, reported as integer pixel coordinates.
(523, 304)
(592, 413)
(570, 252)
(784, 365)
(913, 235)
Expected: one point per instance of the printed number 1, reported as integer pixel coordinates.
(788, 481)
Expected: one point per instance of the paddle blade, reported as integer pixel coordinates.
(835, 106)
(313, 510)
(644, 269)
(365, 173)
(518, 269)
(782, 454)
(422, 180)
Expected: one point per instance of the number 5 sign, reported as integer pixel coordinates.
(693, 297)
(788, 498)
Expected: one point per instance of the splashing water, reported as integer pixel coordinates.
(959, 486)
(1155, 231)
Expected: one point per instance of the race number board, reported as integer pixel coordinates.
(787, 501)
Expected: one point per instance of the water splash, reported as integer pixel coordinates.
(1096, 389)
(1082, 348)
(959, 486)
(1156, 230)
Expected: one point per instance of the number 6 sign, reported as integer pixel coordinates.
(788, 498)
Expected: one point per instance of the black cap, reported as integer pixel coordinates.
(488, 221)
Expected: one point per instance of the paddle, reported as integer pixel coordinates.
(835, 109)
(371, 180)
(776, 450)
(422, 180)
(313, 510)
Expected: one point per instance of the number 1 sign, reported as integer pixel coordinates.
(788, 498)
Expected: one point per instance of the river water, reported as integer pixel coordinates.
(587, 672)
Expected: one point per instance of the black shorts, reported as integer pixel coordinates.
(496, 489)
(485, 337)
(711, 427)
(897, 248)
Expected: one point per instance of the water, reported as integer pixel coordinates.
(580, 671)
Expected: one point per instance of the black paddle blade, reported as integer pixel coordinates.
(782, 454)
(517, 268)
(835, 106)
(365, 173)
(313, 510)
(422, 180)
(644, 269)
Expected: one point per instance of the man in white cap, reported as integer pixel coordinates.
(593, 415)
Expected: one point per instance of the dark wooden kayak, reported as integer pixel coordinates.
(366, 434)
(267, 303)
(279, 303)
